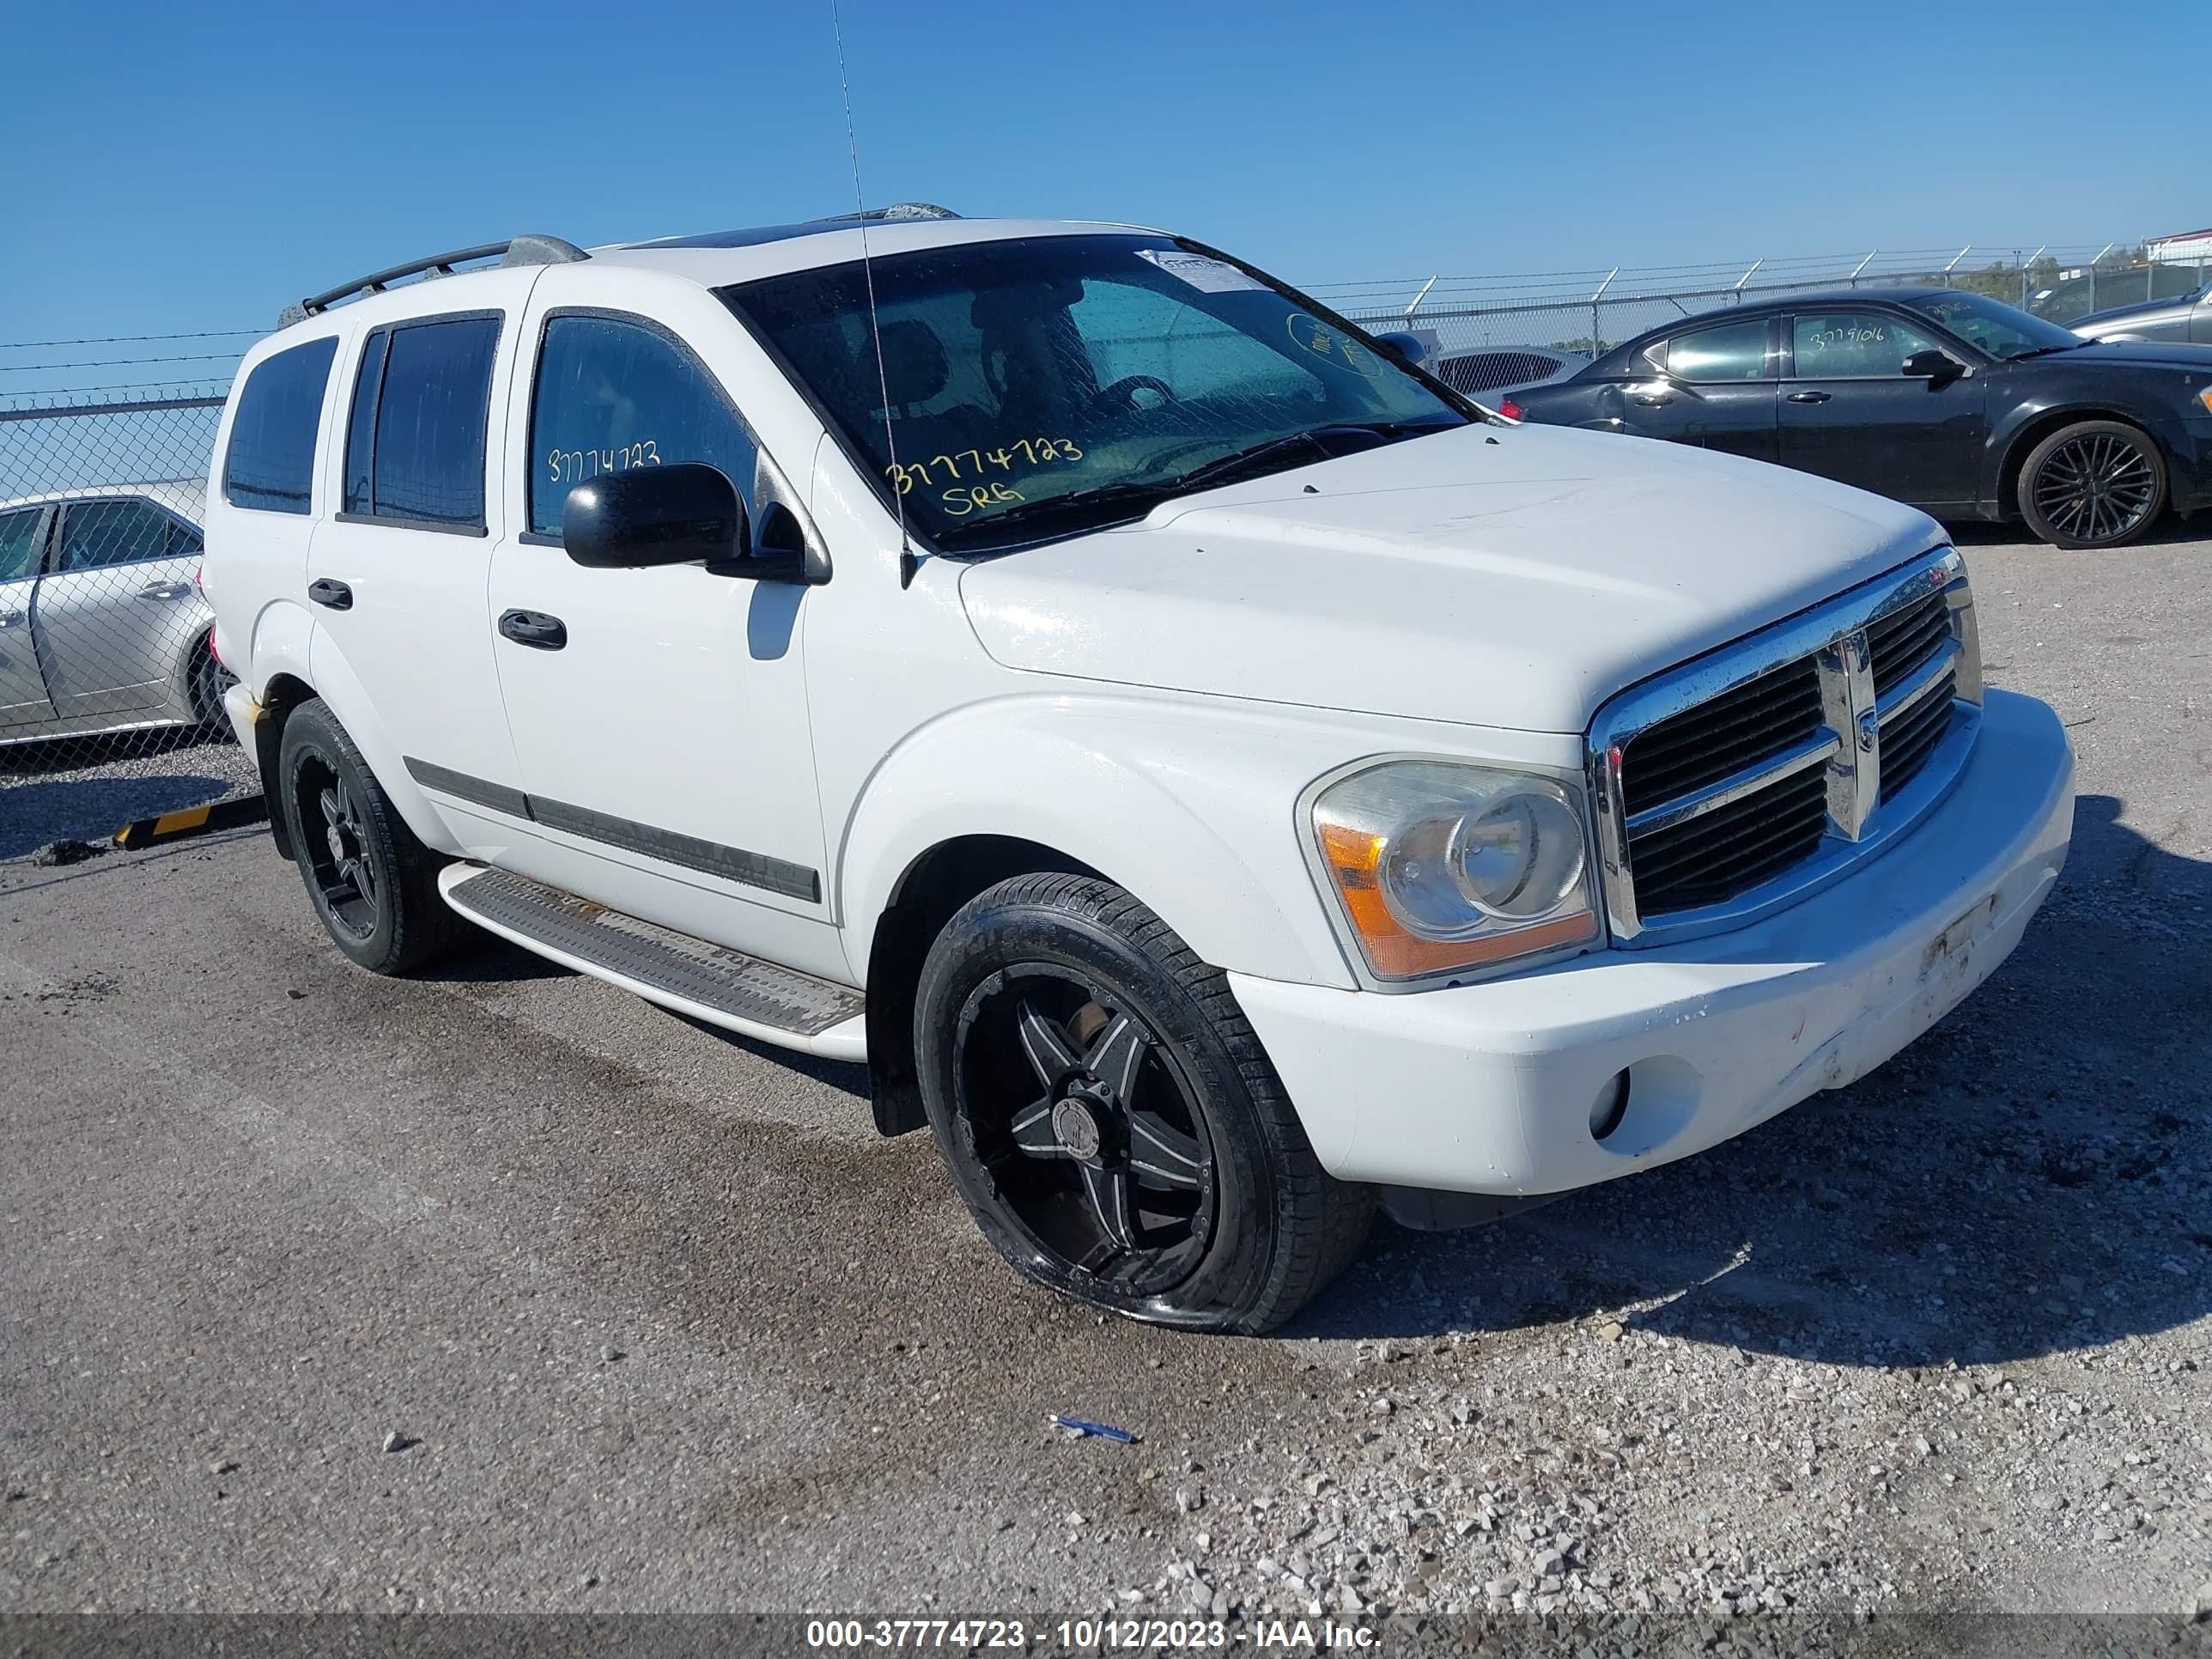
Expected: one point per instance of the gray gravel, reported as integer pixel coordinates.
(89, 787)
(649, 1319)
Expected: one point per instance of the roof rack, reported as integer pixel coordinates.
(520, 251)
(896, 210)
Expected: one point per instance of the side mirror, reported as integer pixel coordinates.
(656, 515)
(1933, 365)
(1409, 347)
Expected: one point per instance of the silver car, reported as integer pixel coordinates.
(2188, 318)
(102, 626)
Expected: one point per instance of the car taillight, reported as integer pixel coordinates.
(199, 578)
(1511, 409)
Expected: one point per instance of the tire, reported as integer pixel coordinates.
(208, 681)
(2094, 484)
(1159, 1092)
(373, 883)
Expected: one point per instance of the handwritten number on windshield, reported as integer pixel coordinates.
(1036, 451)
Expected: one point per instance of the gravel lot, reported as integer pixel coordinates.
(658, 1323)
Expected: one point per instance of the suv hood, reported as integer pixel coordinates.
(1513, 577)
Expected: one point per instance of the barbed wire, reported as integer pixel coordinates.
(130, 339)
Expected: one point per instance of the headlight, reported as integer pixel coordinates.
(1438, 867)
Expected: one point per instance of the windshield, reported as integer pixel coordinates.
(1045, 385)
(2001, 329)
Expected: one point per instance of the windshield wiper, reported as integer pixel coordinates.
(1139, 496)
(1226, 467)
(2044, 351)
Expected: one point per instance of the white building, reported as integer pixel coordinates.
(2187, 247)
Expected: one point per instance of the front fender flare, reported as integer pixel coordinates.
(1190, 816)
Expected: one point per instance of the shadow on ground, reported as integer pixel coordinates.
(2027, 1178)
(34, 811)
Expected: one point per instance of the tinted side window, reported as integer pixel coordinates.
(360, 424)
(97, 533)
(270, 463)
(18, 542)
(1734, 351)
(423, 452)
(1853, 345)
(613, 396)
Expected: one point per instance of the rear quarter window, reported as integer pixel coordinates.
(270, 462)
(415, 445)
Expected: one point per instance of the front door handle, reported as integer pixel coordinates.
(165, 590)
(1810, 397)
(534, 629)
(1651, 400)
(335, 594)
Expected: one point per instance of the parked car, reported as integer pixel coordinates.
(1486, 373)
(1216, 778)
(1960, 405)
(2188, 317)
(102, 626)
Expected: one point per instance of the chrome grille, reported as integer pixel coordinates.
(1719, 739)
(1744, 780)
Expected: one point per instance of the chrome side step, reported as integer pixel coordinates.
(709, 983)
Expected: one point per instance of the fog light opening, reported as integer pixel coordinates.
(1610, 1107)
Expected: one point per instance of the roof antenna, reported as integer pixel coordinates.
(875, 328)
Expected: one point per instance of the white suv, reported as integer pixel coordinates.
(1216, 777)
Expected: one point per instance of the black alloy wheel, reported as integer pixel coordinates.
(1110, 1119)
(336, 848)
(372, 881)
(1088, 1126)
(2096, 484)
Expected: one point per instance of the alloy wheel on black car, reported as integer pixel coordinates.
(2098, 483)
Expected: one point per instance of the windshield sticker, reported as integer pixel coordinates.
(1206, 275)
(1332, 344)
(1034, 451)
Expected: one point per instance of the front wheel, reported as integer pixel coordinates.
(1110, 1119)
(2094, 484)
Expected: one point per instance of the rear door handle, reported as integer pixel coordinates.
(335, 594)
(1651, 400)
(1810, 397)
(165, 590)
(534, 629)
(11, 619)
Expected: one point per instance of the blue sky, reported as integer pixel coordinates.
(194, 166)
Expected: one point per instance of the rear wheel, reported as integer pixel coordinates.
(371, 880)
(210, 679)
(1110, 1119)
(2096, 484)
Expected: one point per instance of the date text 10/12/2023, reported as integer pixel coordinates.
(1088, 1635)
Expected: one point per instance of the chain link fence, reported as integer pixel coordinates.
(110, 691)
(1589, 312)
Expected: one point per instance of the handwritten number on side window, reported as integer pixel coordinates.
(572, 466)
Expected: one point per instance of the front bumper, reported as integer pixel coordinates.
(1489, 1088)
(2189, 482)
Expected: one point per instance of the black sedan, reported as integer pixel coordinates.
(1961, 405)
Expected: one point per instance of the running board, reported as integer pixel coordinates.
(709, 983)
